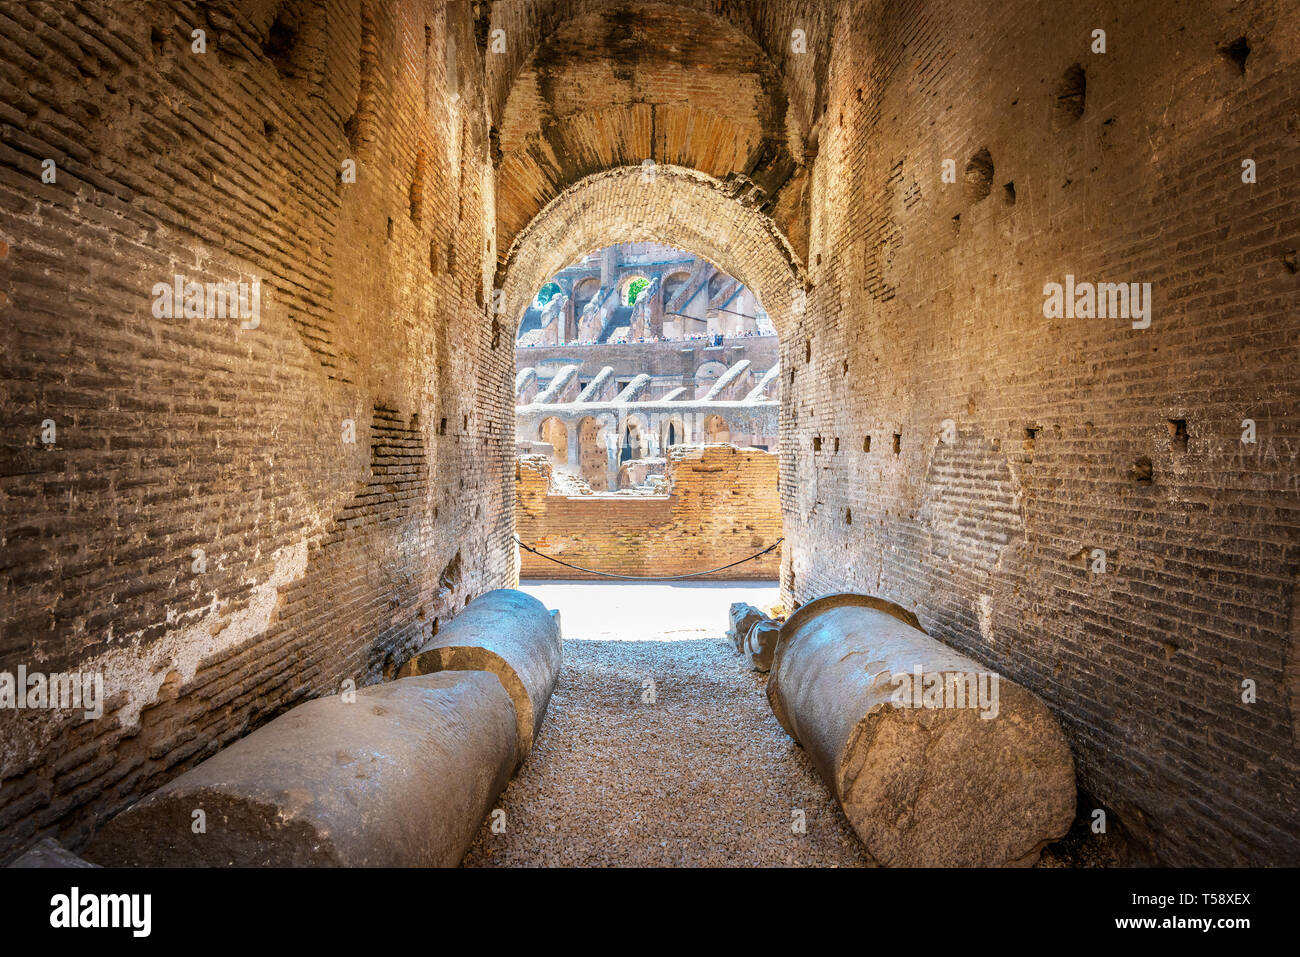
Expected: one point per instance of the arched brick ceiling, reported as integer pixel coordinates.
(716, 86)
(680, 207)
(768, 23)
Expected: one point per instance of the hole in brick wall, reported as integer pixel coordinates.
(280, 43)
(848, 516)
(157, 40)
(451, 65)
(807, 350)
(450, 577)
(1142, 472)
(464, 426)
(1178, 434)
(1030, 436)
(866, 443)
(979, 176)
(817, 443)
(1235, 54)
(417, 189)
(1071, 96)
(442, 427)
(956, 225)
(390, 227)
(269, 129)
(898, 443)
(428, 65)
(835, 444)
(496, 333)
(1009, 193)
(359, 127)
(433, 257)
(1289, 261)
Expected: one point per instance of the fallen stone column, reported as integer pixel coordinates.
(935, 760)
(761, 643)
(743, 617)
(511, 635)
(48, 853)
(400, 777)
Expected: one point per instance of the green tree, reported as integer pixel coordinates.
(634, 289)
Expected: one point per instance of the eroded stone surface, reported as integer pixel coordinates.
(978, 781)
(400, 777)
(513, 636)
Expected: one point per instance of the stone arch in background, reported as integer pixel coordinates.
(674, 432)
(554, 431)
(716, 429)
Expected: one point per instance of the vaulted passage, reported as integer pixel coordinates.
(1028, 406)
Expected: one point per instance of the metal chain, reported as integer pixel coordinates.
(648, 578)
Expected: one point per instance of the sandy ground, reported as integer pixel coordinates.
(659, 747)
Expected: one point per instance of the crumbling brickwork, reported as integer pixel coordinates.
(949, 447)
(232, 517)
(722, 505)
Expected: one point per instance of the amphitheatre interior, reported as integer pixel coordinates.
(984, 311)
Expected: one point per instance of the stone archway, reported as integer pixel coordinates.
(554, 431)
(669, 204)
(560, 115)
(716, 429)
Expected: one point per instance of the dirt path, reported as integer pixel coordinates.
(699, 773)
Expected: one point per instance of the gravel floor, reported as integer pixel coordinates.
(702, 775)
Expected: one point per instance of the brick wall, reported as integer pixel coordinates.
(928, 306)
(321, 559)
(722, 506)
(944, 444)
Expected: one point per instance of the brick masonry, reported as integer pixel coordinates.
(928, 306)
(944, 444)
(323, 560)
(722, 505)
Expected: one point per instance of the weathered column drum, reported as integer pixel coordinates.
(935, 760)
(393, 775)
(510, 634)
